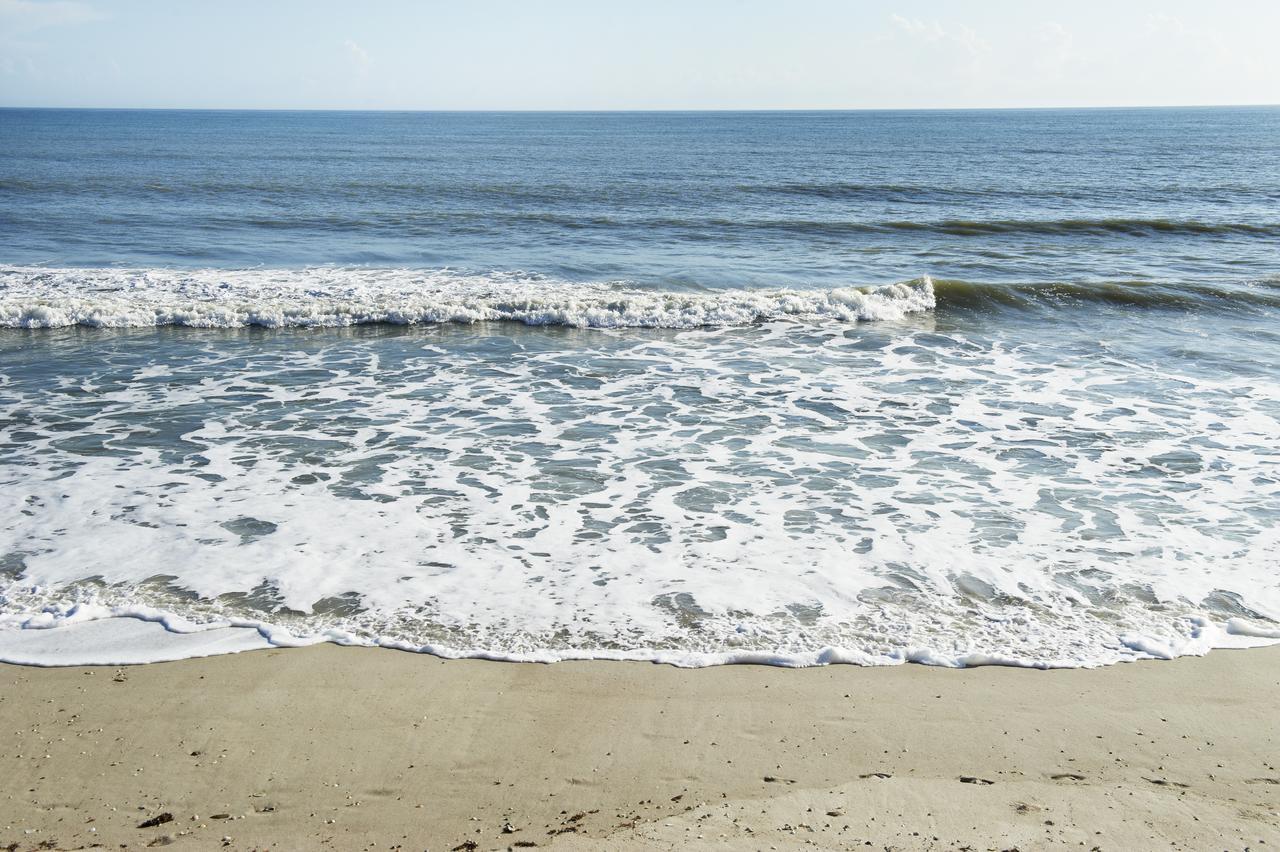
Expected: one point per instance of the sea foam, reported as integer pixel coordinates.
(34, 297)
(780, 493)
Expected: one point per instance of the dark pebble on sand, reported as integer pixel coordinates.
(156, 820)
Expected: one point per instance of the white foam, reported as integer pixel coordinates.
(1249, 630)
(121, 638)
(34, 297)
(121, 641)
(774, 494)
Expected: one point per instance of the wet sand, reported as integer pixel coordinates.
(352, 748)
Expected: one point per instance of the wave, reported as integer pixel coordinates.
(1110, 227)
(879, 191)
(34, 298)
(431, 223)
(307, 298)
(1100, 227)
(1128, 226)
(1133, 227)
(978, 296)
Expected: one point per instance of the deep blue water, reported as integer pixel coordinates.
(714, 199)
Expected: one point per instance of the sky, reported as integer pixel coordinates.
(636, 54)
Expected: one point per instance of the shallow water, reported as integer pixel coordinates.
(947, 387)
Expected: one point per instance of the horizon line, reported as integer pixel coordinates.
(667, 110)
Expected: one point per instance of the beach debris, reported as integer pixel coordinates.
(220, 816)
(571, 823)
(1165, 782)
(524, 844)
(466, 846)
(973, 779)
(508, 828)
(875, 775)
(773, 779)
(1067, 776)
(160, 819)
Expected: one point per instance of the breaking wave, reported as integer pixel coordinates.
(324, 297)
(34, 297)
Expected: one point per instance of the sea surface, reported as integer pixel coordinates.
(798, 388)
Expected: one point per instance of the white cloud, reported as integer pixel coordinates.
(359, 56)
(25, 16)
(1056, 50)
(933, 32)
(1162, 23)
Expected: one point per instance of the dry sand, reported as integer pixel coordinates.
(347, 748)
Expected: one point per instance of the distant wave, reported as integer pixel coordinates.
(328, 297)
(929, 191)
(699, 227)
(1134, 227)
(1111, 227)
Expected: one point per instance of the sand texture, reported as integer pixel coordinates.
(349, 748)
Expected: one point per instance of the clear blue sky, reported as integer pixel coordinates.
(636, 54)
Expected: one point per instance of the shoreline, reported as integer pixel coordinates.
(341, 747)
(147, 635)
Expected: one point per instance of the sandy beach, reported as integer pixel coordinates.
(460, 427)
(353, 748)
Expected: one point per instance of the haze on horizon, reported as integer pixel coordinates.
(573, 54)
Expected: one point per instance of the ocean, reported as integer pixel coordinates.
(795, 388)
